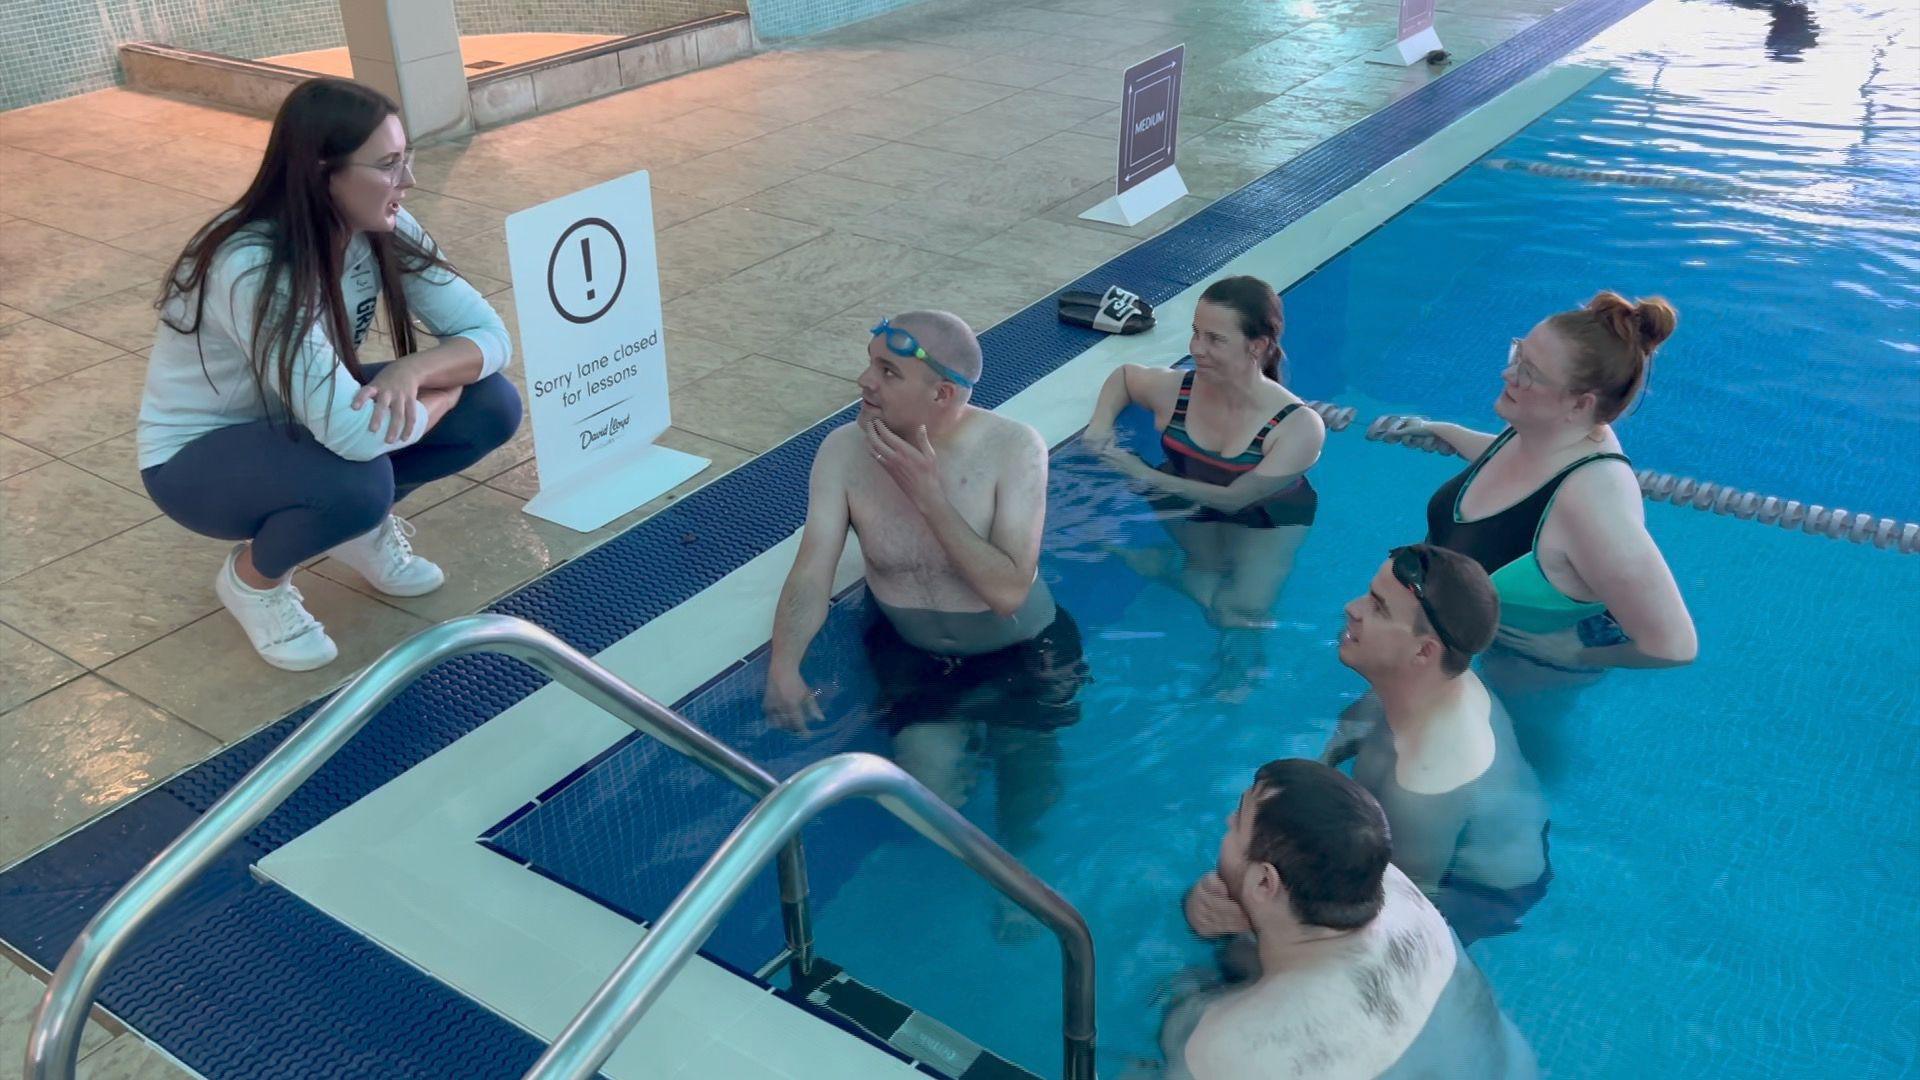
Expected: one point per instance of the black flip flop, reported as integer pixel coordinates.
(1116, 311)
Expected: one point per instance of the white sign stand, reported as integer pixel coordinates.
(1416, 36)
(1148, 180)
(586, 287)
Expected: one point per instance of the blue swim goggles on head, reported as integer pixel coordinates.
(901, 343)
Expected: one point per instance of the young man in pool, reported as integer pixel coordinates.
(1435, 748)
(948, 501)
(1359, 976)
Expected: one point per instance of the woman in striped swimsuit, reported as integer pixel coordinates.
(1233, 490)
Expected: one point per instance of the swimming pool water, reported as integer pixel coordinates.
(1734, 842)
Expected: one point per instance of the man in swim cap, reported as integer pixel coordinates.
(948, 501)
(1359, 976)
(1435, 748)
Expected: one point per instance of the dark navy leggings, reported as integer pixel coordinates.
(294, 498)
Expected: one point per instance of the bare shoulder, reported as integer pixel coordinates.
(1012, 441)
(840, 448)
(1153, 387)
(1602, 492)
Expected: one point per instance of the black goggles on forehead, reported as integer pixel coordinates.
(1410, 569)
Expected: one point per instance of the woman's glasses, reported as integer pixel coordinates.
(401, 165)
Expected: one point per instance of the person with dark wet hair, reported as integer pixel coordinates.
(1358, 976)
(1436, 749)
(1232, 490)
(261, 423)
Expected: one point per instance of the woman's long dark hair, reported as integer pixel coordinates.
(318, 126)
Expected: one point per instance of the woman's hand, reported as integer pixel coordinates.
(1561, 649)
(1128, 462)
(393, 393)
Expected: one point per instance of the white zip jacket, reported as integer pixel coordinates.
(183, 402)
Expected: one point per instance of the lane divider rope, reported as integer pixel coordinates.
(1790, 514)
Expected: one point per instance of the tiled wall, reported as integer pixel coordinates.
(56, 48)
(582, 16)
(793, 18)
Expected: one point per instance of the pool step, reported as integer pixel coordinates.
(902, 1027)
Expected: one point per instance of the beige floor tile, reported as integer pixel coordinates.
(162, 243)
(129, 1057)
(105, 601)
(622, 154)
(9, 316)
(712, 128)
(73, 126)
(20, 993)
(77, 751)
(481, 258)
(955, 95)
(127, 318)
(982, 135)
(90, 202)
(918, 170)
(17, 457)
(824, 199)
(932, 225)
(670, 208)
(507, 187)
(1087, 83)
(191, 163)
(54, 510)
(207, 671)
(1048, 249)
(836, 346)
(76, 411)
(27, 670)
(1026, 190)
(718, 244)
(807, 146)
(518, 547)
(758, 402)
(691, 358)
(1018, 71)
(447, 218)
(35, 351)
(239, 129)
(1073, 155)
(117, 461)
(725, 176)
(43, 269)
(883, 119)
(981, 294)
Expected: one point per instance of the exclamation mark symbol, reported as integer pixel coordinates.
(586, 260)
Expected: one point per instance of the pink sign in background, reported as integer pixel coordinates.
(1415, 16)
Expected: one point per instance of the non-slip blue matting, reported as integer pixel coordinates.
(241, 979)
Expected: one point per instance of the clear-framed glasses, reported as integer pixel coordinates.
(401, 165)
(1525, 375)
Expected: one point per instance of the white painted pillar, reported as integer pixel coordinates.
(410, 50)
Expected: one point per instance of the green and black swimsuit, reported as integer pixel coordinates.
(1507, 545)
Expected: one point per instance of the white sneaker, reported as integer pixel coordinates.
(276, 620)
(387, 561)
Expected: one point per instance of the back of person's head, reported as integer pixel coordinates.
(947, 339)
(1326, 837)
(1463, 599)
(1260, 312)
(1612, 341)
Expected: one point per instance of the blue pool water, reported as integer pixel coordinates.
(1734, 843)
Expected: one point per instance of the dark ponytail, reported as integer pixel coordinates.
(1613, 341)
(1260, 315)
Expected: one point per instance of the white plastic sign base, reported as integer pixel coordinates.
(591, 500)
(1408, 51)
(1142, 201)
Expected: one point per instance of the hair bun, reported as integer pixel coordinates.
(1642, 324)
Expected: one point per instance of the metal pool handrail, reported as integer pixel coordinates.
(54, 1039)
(591, 1037)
